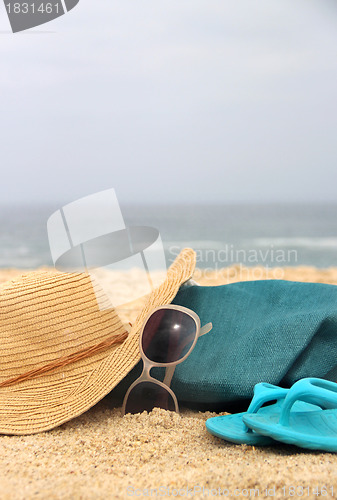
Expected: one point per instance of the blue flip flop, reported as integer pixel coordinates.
(316, 430)
(233, 429)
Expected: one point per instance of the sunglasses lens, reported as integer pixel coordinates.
(168, 335)
(146, 396)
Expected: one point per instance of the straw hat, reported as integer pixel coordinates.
(60, 354)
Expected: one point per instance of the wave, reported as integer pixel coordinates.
(196, 244)
(319, 243)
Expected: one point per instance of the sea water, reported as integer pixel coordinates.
(272, 235)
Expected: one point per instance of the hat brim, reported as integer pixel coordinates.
(45, 402)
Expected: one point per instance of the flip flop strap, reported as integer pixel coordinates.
(310, 390)
(264, 393)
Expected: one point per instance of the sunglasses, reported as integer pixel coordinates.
(167, 338)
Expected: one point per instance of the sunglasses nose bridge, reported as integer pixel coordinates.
(147, 365)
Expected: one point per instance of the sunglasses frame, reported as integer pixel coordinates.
(170, 367)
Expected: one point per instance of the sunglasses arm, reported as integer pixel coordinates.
(205, 329)
(168, 375)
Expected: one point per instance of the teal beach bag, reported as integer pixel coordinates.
(272, 331)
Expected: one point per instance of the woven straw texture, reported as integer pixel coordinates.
(45, 316)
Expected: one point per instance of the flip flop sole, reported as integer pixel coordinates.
(315, 430)
(231, 428)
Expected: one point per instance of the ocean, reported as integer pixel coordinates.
(271, 235)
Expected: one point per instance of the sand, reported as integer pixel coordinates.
(101, 455)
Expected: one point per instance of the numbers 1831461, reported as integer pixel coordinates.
(32, 8)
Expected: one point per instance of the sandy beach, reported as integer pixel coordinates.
(101, 455)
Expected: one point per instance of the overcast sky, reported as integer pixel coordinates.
(172, 100)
